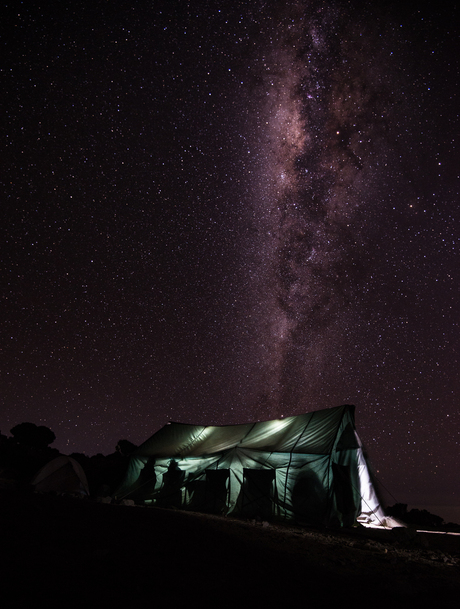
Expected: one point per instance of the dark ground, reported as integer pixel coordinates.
(59, 551)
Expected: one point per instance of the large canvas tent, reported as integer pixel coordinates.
(308, 468)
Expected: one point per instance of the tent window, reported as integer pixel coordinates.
(343, 490)
(216, 491)
(256, 498)
(309, 498)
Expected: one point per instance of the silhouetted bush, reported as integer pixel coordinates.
(32, 435)
(415, 516)
(125, 447)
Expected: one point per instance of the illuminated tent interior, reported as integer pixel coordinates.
(308, 468)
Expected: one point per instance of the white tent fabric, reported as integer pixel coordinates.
(372, 513)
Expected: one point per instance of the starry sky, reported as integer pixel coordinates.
(217, 212)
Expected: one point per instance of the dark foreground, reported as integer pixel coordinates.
(66, 552)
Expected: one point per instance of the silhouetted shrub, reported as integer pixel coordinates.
(32, 435)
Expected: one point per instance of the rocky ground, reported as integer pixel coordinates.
(66, 552)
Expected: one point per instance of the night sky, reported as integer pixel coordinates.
(217, 212)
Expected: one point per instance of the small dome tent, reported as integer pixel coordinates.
(308, 468)
(62, 475)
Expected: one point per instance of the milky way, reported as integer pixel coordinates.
(322, 131)
(221, 212)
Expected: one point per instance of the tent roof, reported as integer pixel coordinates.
(312, 433)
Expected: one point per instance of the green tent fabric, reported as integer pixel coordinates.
(308, 468)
